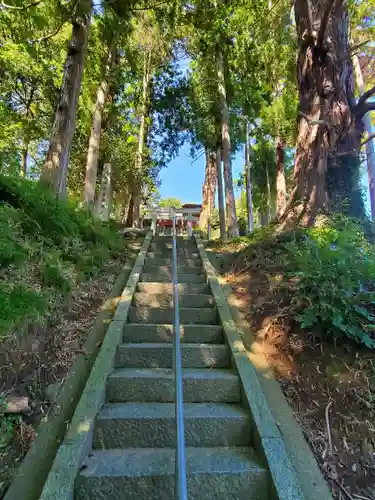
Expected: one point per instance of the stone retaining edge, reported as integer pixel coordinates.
(267, 438)
(310, 478)
(78, 439)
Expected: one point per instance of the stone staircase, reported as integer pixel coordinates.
(134, 435)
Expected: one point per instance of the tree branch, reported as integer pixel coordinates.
(361, 109)
(50, 35)
(324, 23)
(366, 95)
(312, 122)
(154, 6)
(133, 9)
(197, 157)
(358, 46)
(368, 139)
(58, 29)
(14, 7)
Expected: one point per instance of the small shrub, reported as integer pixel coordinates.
(12, 246)
(19, 303)
(57, 274)
(8, 426)
(335, 270)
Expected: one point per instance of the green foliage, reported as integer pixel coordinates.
(334, 292)
(45, 246)
(329, 275)
(170, 202)
(8, 426)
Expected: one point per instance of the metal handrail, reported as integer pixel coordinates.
(180, 472)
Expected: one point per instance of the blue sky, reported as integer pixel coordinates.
(183, 180)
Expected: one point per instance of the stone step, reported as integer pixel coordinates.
(167, 261)
(230, 473)
(168, 247)
(156, 277)
(198, 316)
(160, 355)
(167, 270)
(158, 385)
(167, 254)
(183, 288)
(168, 243)
(165, 300)
(179, 239)
(153, 425)
(207, 334)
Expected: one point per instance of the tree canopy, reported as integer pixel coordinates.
(150, 74)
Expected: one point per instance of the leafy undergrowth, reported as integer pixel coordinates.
(309, 295)
(57, 265)
(46, 248)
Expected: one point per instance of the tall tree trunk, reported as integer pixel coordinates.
(325, 171)
(25, 152)
(249, 197)
(269, 208)
(129, 219)
(124, 202)
(137, 198)
(209, 188)
(55, 168)
(263, 218)
(280, 178)
(96, 129)
(370, 148)
(220, 194)
(146, 87)
(230, 204)
(103, 203)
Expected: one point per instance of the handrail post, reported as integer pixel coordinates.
(180, 464)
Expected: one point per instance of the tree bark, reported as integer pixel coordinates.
(137, 198)
(370, 149)
(55, 168)
(325, 175)
(25, 152)
(269, 208)
(209, 188)
(223, 233)
(231, 216)
(146, 87)
(94, 142)
(280, 178)
(129, 218)
(249, 198)
(123, 202)
(103, 204)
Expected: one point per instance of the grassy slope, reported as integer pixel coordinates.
(57, 265)
(46, 247)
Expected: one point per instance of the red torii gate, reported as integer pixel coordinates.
(167, 223)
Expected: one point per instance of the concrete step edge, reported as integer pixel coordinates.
(194, 355)
(118, 462)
